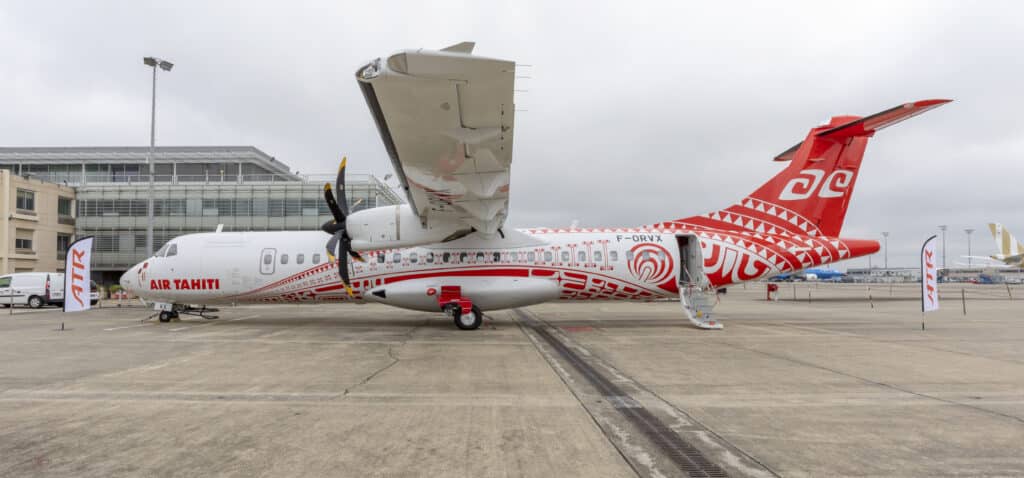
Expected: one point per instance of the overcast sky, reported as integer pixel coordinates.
(634, 113)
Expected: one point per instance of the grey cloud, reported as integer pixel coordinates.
(634, 113)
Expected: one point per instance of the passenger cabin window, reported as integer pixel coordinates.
(464, 257)
(300, 258)
(548, 256)
(429, 257)
(531, 257)
(172, 250)
(629, 256)
(597, 256)
(268, 258)
(414, 257)
(316, 258)
(284, 258)
(613, 256)
(446, 257)
(565, 256)
(396, 258)
(497, 257)
(479, 256)
(380, 258)
(582, 256)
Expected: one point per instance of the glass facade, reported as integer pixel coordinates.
(116, 213)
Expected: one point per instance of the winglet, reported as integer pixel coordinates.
(464, 47)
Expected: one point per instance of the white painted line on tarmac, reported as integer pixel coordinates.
(125, 327)
(212, 322)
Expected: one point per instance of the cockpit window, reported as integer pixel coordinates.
(162, 251)
(172, 250)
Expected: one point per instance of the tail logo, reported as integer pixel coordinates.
(809, 182)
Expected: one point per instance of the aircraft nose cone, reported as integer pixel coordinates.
(126, 282)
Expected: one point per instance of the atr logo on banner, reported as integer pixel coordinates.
(77, 270)
(929, 277)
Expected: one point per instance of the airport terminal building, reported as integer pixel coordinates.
(194, 189)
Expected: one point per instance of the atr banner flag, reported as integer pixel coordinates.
(77, 268)
(929, 277)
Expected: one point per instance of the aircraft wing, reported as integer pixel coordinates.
(446, 119)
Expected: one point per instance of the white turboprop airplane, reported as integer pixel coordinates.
(446, 119)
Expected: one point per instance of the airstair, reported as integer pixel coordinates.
(696, 294)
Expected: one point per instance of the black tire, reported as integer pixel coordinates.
(165, 316)
(35, 301)
(469, 321)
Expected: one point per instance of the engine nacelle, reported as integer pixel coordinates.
(390, 227)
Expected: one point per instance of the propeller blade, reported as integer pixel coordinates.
(339, 184)
(331, 227)
(332, 204)
(332, 246)
(346, 243)
(343, 272)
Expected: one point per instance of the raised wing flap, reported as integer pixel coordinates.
(446, 118)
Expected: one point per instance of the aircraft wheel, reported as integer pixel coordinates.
(470, 321)
(35, 302)
(166, 316)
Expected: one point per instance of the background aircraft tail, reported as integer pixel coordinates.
(1006, 244)
(810, 196)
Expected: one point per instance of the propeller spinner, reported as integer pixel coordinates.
(339, 246)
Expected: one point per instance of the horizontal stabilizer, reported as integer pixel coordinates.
(866, 126)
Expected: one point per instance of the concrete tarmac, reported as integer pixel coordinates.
(839, 385)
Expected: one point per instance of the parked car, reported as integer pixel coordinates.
(36, 289)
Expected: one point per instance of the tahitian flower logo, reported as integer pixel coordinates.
(651, 263)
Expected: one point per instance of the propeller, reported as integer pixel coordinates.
(339, 246)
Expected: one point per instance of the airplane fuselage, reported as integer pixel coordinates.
(525, 267)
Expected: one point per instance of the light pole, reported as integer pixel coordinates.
(968, 231)
(166, 66)
(943, 229)
(886, 236)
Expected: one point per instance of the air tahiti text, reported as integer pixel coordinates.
(639, 238)
(184, 284)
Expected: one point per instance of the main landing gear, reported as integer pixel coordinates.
(470, 320)
(460, 309)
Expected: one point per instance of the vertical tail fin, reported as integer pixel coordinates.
(811, 196)
(1006, 244)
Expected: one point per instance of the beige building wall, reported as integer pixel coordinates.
(38, 226)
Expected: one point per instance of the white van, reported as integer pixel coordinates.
(36, 289)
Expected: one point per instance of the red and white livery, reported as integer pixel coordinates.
(446, 119)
